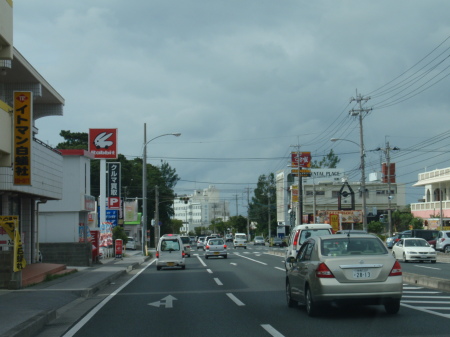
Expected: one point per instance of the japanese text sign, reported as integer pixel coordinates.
(22, 137)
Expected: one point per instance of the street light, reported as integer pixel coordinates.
(144, 189)
(363, 177)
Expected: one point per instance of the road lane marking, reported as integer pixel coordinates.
(218, 281)
(235, 299)
(201, 261)
(271, 330)
(426, 310)
(245, 257)
(91, 314)
(167, 302)
(282, 269)
(209, 271)
(420, 266)
(233, 263)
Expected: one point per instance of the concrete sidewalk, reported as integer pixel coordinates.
(25, 312)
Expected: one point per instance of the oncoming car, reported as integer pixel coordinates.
(259, 240)
(414, 249)
(355, 269)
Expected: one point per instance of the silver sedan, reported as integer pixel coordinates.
(338, 268)
(215, 247)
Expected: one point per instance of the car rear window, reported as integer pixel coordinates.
(170, 245)
(352, 246)
(307, 233)
(185, 239)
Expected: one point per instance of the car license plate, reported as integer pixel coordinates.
(216, 253)
(170, 264)
(361, 273)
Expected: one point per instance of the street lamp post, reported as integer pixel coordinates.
(363, 178)
(144, 189)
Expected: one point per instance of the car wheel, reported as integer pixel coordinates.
(225, 256)
(404, 258)
(290, 302)
(183, 267)
(311, 307)
(433, 261)
(245, 247)
(158, 268)
(206, 256)
(447, 249)
(393, 254)
(392, 307)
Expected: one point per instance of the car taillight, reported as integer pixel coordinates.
(296, 238)
(225, 246)
(396, 269)
(207, 247)
(323, 271)
(157, 254)
(183, 253)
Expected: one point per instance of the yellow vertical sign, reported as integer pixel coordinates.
(334, 221)
(10, 224)
(23, 135)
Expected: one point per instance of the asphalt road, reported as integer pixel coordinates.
(242, 296)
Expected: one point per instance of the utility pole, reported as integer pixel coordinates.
(248, 212)
(299, 210)
(156, 229)
(387, 150)
(359, 112)
(268, 209)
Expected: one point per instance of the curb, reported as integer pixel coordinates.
(426, 281)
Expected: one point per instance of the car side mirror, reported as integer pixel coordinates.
(290, 259)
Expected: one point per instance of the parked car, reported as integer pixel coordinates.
(131, 243)
(302, 232)
(170, 252)
(443, 241)
(215, 247)
(259, 240)
(240, 240)
(187, 244)
(414, 249)
(200, 242)
(278, 242)
(341, 269)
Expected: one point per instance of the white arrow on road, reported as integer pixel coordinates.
(166, 301)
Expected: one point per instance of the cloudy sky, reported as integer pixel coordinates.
(245, 80)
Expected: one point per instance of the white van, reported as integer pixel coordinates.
(302, 232)
(170, 252)
(240, 240)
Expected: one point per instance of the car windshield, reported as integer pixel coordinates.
(416, 243)
(241, 237)
(352, 246)
(170, 245)
(259, 238)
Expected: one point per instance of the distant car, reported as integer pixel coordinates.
(187, 244)
(240, 240)
(351, 231)
(211, 236)
(405, 234)
(229, 238)
(193, 240)
(443, 241)
(131, 243)
(278, 242)
(414, 249)
(216, 247)
(343, 270)
(200, 242)
(390, 242)
(259, 240)
(170, 252)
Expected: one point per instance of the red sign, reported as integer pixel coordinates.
(301, 159)
(114, 203)
(103, 143)
(119, 248)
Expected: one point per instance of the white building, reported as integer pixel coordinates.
(200, 209)
(436, 198)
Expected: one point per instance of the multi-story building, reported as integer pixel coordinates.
(200, 209)
(30, 171)
(322, 191)
(434, 207)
